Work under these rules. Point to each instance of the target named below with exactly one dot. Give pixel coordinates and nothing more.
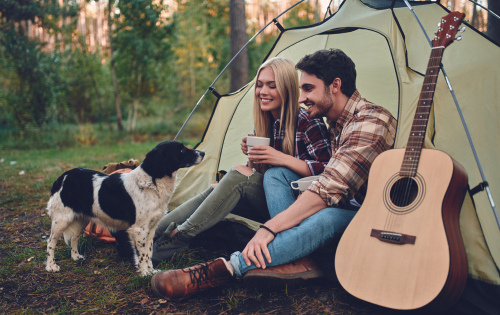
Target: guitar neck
(417, 133)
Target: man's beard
(323, 106)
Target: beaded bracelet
(265, 227)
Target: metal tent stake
(484, 183)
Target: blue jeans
(323, 228)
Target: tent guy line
(211, 88)
(484, 184)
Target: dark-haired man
(359, 132)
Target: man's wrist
(268, 229)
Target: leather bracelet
(265, 227)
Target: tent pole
(328, 10)
(229, 63)
(492, 13)
(490, 197)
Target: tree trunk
(136, 101)
(129, 119)
(99, 101)
(452, 5)
(475, 18)
(317, 17)
(113, 73)
(493, 22)
(239, 67)
(134, 120)
(192, 75)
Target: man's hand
(266, 155)
(256, 247)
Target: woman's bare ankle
(173, 232)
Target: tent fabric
(391, 54)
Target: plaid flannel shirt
(362, 132)
(312, 143)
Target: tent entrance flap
(376, 77)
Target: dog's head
(169, 156)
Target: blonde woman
(298, 143)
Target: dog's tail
(75, 228)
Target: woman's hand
(267, 155)
(244, 147)
(256, 249)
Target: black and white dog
(134, 201)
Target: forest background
(69, 79)
(84, 83)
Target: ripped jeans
(211, 206)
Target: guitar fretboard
(417, 133)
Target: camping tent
(391, 54)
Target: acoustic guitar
(403, 249)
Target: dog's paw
(144, 273)
(77, 257)
(147, 272)
(52, 268)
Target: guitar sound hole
(404, 191)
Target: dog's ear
(157, 163)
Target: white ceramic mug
(304, 183)
(253, 141)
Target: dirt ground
(103, 282)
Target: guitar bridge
(393, 238)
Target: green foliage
(301, 15)
(49, 12)
(87, 92)
(165, 59)
(201, 46)
(31, 85)
(141, 48)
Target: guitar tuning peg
(462, 29)
(439, 24)
(459, 38)
(467, 21)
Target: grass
(156, 128)
(103, 283)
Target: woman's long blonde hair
(287, 84)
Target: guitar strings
(404, 186)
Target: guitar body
(407, 253)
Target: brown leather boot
(291, 274)
(183, 282)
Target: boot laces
(199, 274)
(165, 238)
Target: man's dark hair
(328, 65)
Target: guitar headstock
(447, 29)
